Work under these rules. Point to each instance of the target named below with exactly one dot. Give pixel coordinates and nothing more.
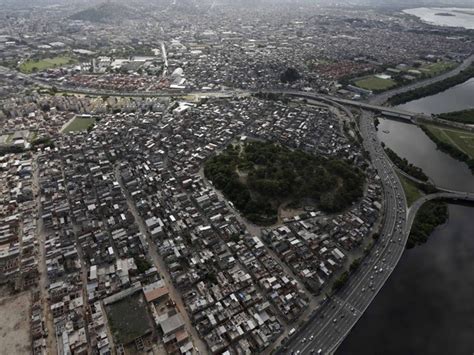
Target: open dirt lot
(15, 324)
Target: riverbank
(449, 147)
(433, 88)
(406, 166)
(463, 116)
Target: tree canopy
(258, 176)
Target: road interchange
(332, 322)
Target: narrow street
(43, 281)
(83, 271)
(256, 230)
(162, 268)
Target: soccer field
(375, 84)
(33, 65)
(78, 124)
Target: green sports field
(375, 84)
(437, 68)
(34, 65)
(78, 124)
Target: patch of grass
(375, 84)
(78, 124)
(34, 65)
(438, 133)
(412, 193)
(452, 147)
(463, 140)
(437, 68)
(129, 318)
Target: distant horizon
(375, 3)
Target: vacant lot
(15, 324)
(462, 140)
(34, 65)
(129, 318)
(375, 84)
(78, 124)
(437, 68)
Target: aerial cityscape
(236, 177)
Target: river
(410, 142)
(427, 305)
(457, 98)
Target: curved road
(385, 96)
(333, 321)
(331, 324)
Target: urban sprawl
(107, 220)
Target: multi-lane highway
(328, 327)
(331, 324)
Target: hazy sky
(378, 3)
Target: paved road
(383, 97)
(331, 324)
(338, 315)
(161, 266)
(450, 194)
